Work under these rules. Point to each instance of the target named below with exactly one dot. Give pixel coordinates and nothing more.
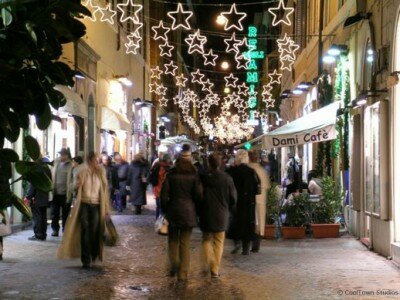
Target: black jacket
(246, 183)
(181, 192)
(219, 200)
(41, 198)
(122, 171)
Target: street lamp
(225, 65)
(227, 90)
(221, 20)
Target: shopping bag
(161, 226)
(110, 233)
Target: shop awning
(112, 120)
(318, 126)
(75, 105)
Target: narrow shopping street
(137, 269)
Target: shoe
(214, 276)
(255, 250)
(86, 266)
(1, 256)
(246, 253)
(55, 233)
(35, 238)
(236, 249)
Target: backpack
(153, 176)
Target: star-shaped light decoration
(134, 43)
(181, 80)
(243, 89)
(210, 58)
(128, 6)
(161, 90)
(230, 80)
(232, 44)
(95, 9)
(170, 68)
(160, 31)
(267, 88)
(274, 77)
(281, 10)
(196, 42)
(166, 49)
(156, 72)
(286, 63)
(212, 99)
(174, 15)
(108, 14)
(197, 77)
(242, 62)
(287, 47)
(153, 87)
(163, 101)
(233, 18)
(207, 86)
(177, 99)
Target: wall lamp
(142, 103)
(356, 18)
(334, 51)
(362, 99)
(285, 94)
(79, 75)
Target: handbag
(5, 226)
(110, 233)
(161, 226)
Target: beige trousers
(213, 246)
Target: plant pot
(269, 232)
(293, 232)
(325, 230)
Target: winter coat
(181, 192)
(136, 175)
(261, 200)
(54, 170)
(163, 169)
(218, 201)
(71, 243)
(41, 199)
(122, 171)
(246, 183)
(71, 190)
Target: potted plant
(273, 198)
(297, 217)
(325, 211)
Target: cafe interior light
(298, 91)
(336, 50)
(328, 59)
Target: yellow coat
(71, 243)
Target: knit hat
(187, 155)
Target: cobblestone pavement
(136, 269)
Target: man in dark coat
(246, 183)
(39, 201)
(122, 170)
(137, 182)
(219, 200)
(181, 193)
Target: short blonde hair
(242, 157)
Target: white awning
(75, 105)
(318, 126)
(112, 120)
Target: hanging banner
(326, 133)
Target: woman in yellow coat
(84, 232)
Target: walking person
(62, 168)
(38, 201)
(161, 172)
(77, 164)
(137, 182)
(261, 200)
(111, 175)
(122, 170)
(218, 202)
(180, 193)
(246, 182)
(84, 231)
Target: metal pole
(320, 42)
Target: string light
(123, 7)
(274, 77)
(242, 62)
(153, 87)
(235, 19)
(287, 52)
(111, 14)
(232, 44)
(196, 42)
(156, 73)
(175, 23)
(210, 58)
(207, 86)
(170, 68)
(166, 49)
(95, 9)
(161, 90)
(197, 77)
(134, 43)
(160, 31)
(163, 102)
(181, 80)
(243, 89)
(230, 81)
(287, 11)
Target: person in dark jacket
(219, 200)
(122, 170)
(111, 175)
(39, 201)
(137, 182)
(181, 192)
(246, 183)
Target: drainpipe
(320, 42)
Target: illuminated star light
(286, 63)
(156, 72)
(196, 42)
(133, 45)
(163, 102)
(161, 90)
(160, 31)
(170, 68)
(235, 18)
(111, 14)
(243, 89)
(123, 7)
(231, 80)
(242, 62)
(197, 76)
(174, 16)
(210, 58)
(274, 77)
(166, 49)
(286, 14)
(181, 80)
(232, 44)
(153, 87)
(95, 9)
(267, 88)
(207, 86)
(287, 47)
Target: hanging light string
(221, 4)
